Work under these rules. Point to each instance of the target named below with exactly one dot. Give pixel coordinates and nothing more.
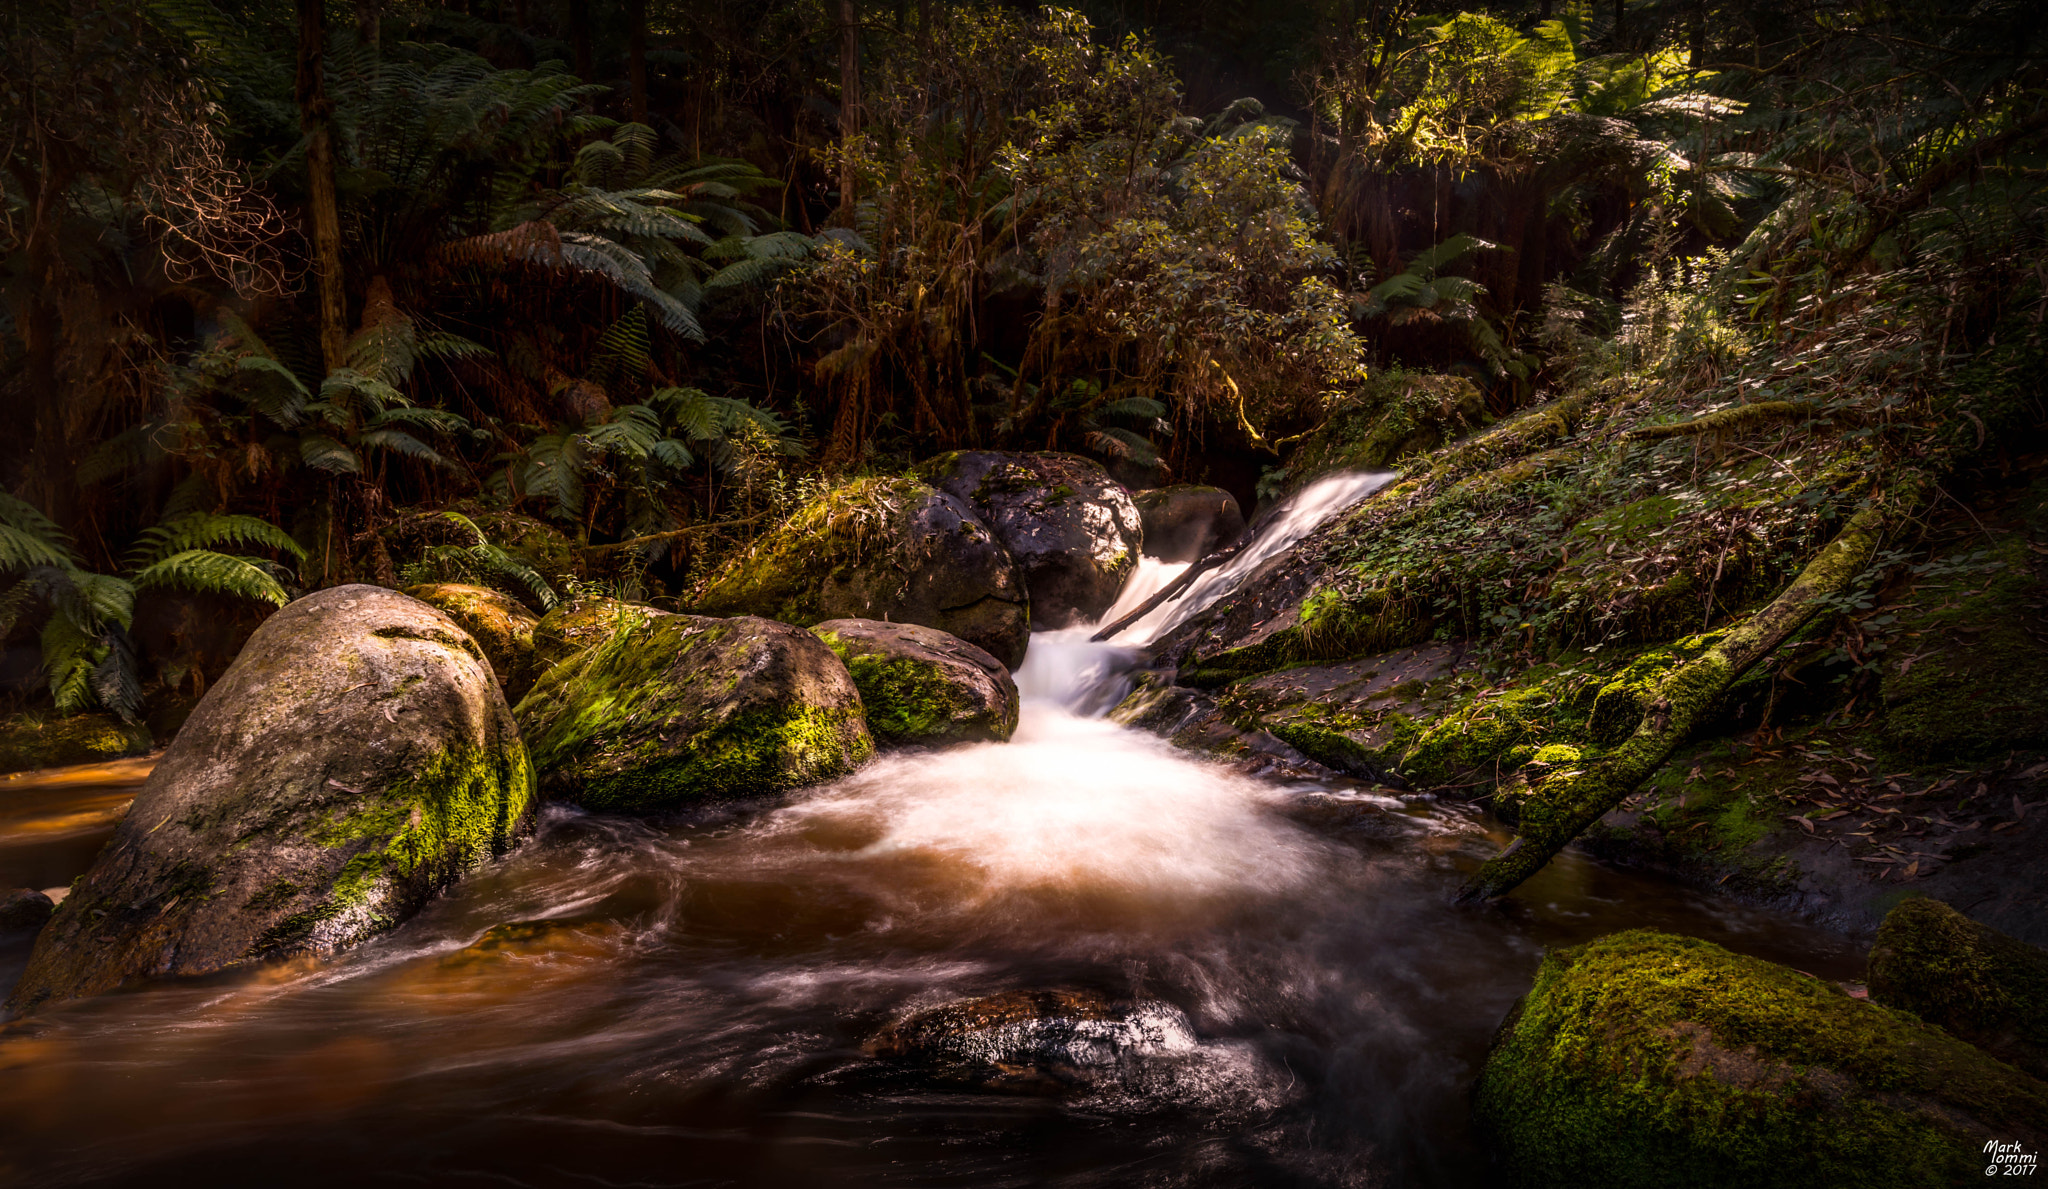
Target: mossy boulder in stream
(921, 685)
(680, 708)
(573, 625)
(501, 625)
(1644, 1059)
(883, 548)
(1073, 530)
(28, 743)
(356, 758)
(1985, 987)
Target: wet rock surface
(1186, 522)
(1643, 1054)
(356, 758)
(919, 685)
(1074, 532)
(501, 625)
(883, 548)
(24, 909)
(677, 709)
(1134, 1054)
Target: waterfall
(1065, 670)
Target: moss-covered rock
(1644, 1059)
(356, 758)
(500, 624)
(573, 625)
(1074, 532)
(677, 709)
(1977, 681)
(921, 685)
(1985, 987)
(28, 743)
(1186, 522)
(883, 548)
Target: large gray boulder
(354, 760)
(921, 685)
(1073, 530)
(1186, 523)
(677, 709)
(882, 548)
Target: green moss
(1644, 1059)
(1979, 684)
(1985, 987)
(1391, 416)
(28, 742)
(909, 700)
(1478, 735)
(1620, 704)
(650, 720)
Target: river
(687, 1000)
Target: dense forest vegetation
(555, 296)
(652, 526)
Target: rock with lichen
(920, 685)
(28, 743)
(1074, 532)
(1969, 978)
(882, 548)
(501, 625)
(1645, 1059)
(355, 759)
(677, 709)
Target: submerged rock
(1185, 522)
(1073, 531)
(680, 708)
(921, 685)
(883, 548)
(1644, 1059)
(24, 909)
(30, 743)
(1983, 986)
(357, 757)
(500, 624)
(573, 625)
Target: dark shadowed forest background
(571, 297)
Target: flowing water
(690, 1001)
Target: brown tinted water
(685, 1002)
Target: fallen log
(1173, 590)
(1563, 804)
(1722, 419)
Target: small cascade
(1065, 670)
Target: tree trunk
(579, 37)
(849, 102)
(1562, 805)
(636, 59)
(370, 23)
(323, 208)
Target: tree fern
(203, 571)
(475, 559)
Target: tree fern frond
(207, 572)
(323, 453)
(206, 531)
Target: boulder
(573, 625)
(356, 758)
(500, 624)
(24, 909)
(29, 743)
(921, 685)
(1033, 1039)
(1644, 1059)
(1074, 532)
(1969, 978)
(1186, 523)
(680, 708)
(882, 548)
